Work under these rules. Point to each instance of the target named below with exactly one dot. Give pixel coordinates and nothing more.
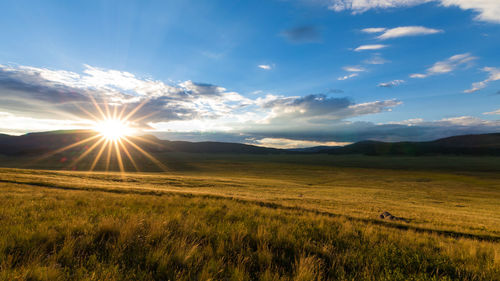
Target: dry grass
(290, 222)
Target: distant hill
(40, 143)
(34, 144)
(485, 144)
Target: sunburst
(112, 133)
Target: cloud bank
(39, 99)
(486, 10)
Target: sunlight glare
(113, 129)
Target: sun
(115, 138)
(113, 129)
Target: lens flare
(114, 135)
(113, 129)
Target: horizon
(268, 73)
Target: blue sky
(278, 73)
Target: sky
(275, 73)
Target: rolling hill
(45, 142)
(484, 144)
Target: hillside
(485, 144)
(45, 142)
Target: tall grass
(53, 234)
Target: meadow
(248, 217)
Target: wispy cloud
(370, 47)
(488, 10)
(495, 112)
(401, 31)
(391, 84)
(373, 29)
(353, 68)
(302, 34)
(265, 66)
(352, 75)
(494, 75)
(447, 65)
(285, 143)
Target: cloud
(370, 47)
(373, 29)
(416, 129)
(447, 65)
(352, 75)
(265, 66)
(494, 75)
(463, 121)
(302, 34)
(488, 10)
(285, 143)
(44, 93)
(496, 112)
(402, 31)
(391, 84)
(376, 59)
(353, 68)
(58, 99)
(318, 110)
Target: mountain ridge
(44, 142)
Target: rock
(387, 215)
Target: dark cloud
(302, 34)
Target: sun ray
(131, 113)
(52, 153)
(115, 112)
(97, 107)
(108, 157)
(98, 156)
(90, 149)
(149, 156)
(108, 114)
(129, 156)
(87, 112)
(120, 117)
(119, 158)
(145, 116)
(146, 140)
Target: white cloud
(488, 10)
(353, 69)
(446, 66)
(370, 47)
(373, 29)
(265, 66)
(496, 112)
(494, 76)
(463, 121)
(418, 75)
(352, 75)
(285, 143)
(404, 31)
(32, 99)
(391, 84)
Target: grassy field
(281, 217)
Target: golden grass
(281, 222)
